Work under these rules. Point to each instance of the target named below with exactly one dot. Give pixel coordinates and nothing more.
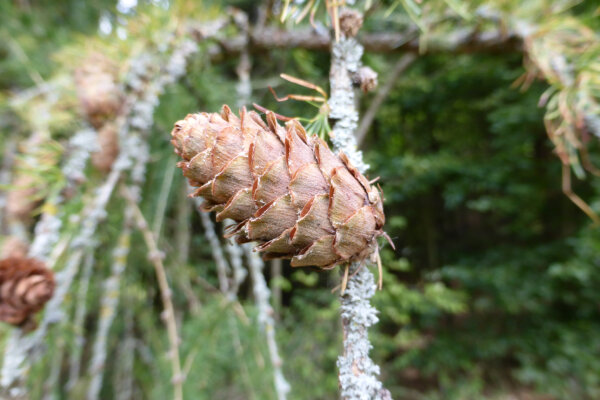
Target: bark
(109, 305)
(468, 40)
(357, 372)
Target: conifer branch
(156, 257)
(109, 304)
(357, 372)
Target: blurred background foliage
(490, 293)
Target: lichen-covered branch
(109, 304)
(357, 372)
(78, 321)
(145, 83)
(156, 257)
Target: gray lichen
(357, 372)
(345, 62)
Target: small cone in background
(108, 142)
(21, 200)
(350, 22)
(97, 89)
(25, 286)
(365, 78)
(284, 189)
(13, 247)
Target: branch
(109, 304)
(468, 40)
(155, 256)
(215, 246)
(357, 372)
(79, 320)
(265, 318)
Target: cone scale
(284, 189)
(25, 286)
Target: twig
(163, 284)
(163, 198)
(401, 65)
(108, 307)
(276, 286)
(265, 319)
(78, 321)
(183, 226)
(125, 375)
(357, 372)
(239, 273)
(55, 369)
(215, 246)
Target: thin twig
(78, 321)
(109, 304)
(265, 319)
(163, 284)
(163, 198)
(215, 246)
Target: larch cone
(25, 286)
(284, 189)
(97, 89)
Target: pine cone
(21, 199)
(285, 190)
(365, 78)
(108, 141)
(350, 22)
(14, 247)
(97, 89)
(25, 286)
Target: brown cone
(366, 79)
(108, 141)
(21, 201)
(350, 22)
(14, 247)
(25, 286)
(285, 190)
(97, 89)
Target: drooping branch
(78, 321)
(155, 256)
(146, 82)
(108, 307)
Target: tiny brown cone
(14, 247)
(284, 189)
(25, 286)
(21, 201)
(97, 89)
(108, 142)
